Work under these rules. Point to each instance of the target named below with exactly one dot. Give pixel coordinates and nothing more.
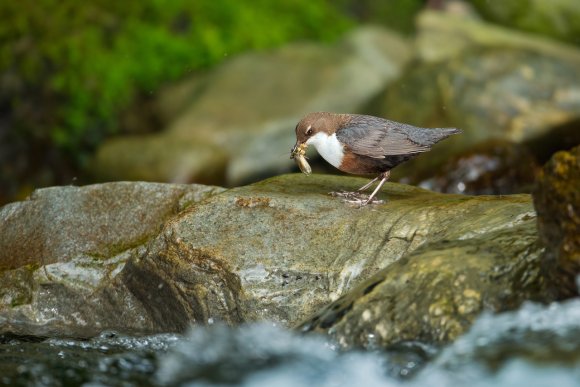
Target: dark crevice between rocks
(371, 287)
(10, 337)
(327, 318)
(562, 137)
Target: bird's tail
(442, 133)
(450, 131)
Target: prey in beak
(297, 153)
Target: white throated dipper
(363, 145)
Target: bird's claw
(356, 197)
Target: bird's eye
(308, 131)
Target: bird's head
(312, 125)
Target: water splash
(536, 345)
(265, 355)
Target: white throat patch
(328, 147)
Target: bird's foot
(356, 197)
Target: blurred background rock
(209, 91)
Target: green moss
(68, 68)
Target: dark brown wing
(377, 138)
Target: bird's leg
(367, 185)
(384, 177)
(357, 197)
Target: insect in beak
(297, 154)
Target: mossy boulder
(557, 201)
(436, 292)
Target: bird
(363, 145)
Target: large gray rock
(280, 250)
(247, 109)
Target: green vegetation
(67, 68)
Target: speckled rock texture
(435, 293)
(280, 250)
(557, 201)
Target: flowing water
(536, 345)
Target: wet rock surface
(557, 201)
(61, 223)
(62, 249)
(281, 250)
(436, 292)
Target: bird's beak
(295, 149)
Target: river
(536, 345)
